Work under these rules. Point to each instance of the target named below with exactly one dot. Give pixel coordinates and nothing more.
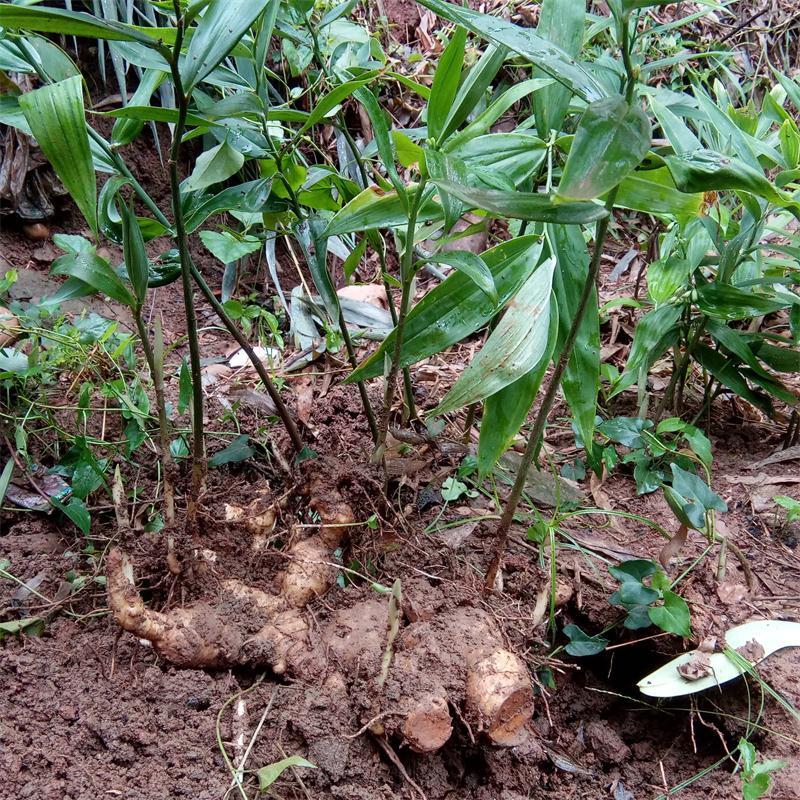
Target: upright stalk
(154, 356)
(233, 329)
(537, 433)
(407, 278)
(258, 364)
(181, 240)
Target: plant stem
(407, 387)
(258, 364)
(537, 433)
(157, 375)
(407, 278)
(181, 240)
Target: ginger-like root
(499, 694)
(452, 658)
(187, 637)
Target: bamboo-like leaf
(655, 332)
(374, 208)
(74, 23)
(457, 307)
(214, 166)
(562, 23)
(515, 347)
(612, 139)
(126, 130)
(544, 54)
(515, 155)
(445, 83)
(134, 253)
(56, 119)
(524, 205)
(505, 411)
(706, 170)
(473, 87)
(95, 272)
(581, 381)
(220, 28)
(724, 301)
(654, 192)
(383, 140)
(472, 265)
(335, 97)
(483, 122)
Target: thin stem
(181, 240)
(407, 386)
(362, 389)
(258, 364)
(407, 278)
(537, 433)
(157, 376)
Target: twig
(392, 756)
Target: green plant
(755, 774)
(651, 448)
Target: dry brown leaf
(671, 549)
(731, 593)
(699, 666)
(602, 500)
(371, 293)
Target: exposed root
(453, 658)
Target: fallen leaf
(671, 549)
(455, 537)
(699, 666)
(371, 293)
(789, 454)
(731, 593)
(752, 651)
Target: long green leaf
(374, 208)
(724, 301)
(707, 170)
(383, 140)
(654, 192)
(445, 83)
(335, 97)
(524, 205)
(562, 23)
(134, 253)
(612, 139)
(56, 118)
(514, 348)
(457, 307)
(472, 265)
(473, 87)
(655, 332)
(126, 130)
(484, 121)
(220, 28)
(550, 58)
(505, 411)
(728, 374)
(74, 23)
(516, 156)
(581, 381)
(95, 272)
(251, 196)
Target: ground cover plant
(401, 395)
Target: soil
(92, 712)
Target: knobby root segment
(455, 658)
